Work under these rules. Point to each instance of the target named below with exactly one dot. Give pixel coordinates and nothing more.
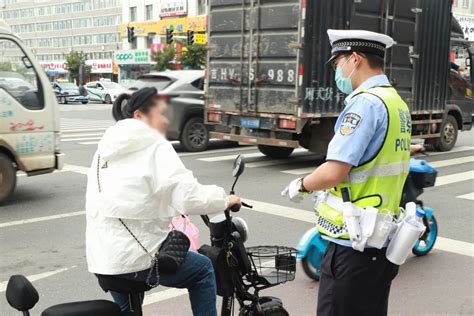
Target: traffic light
(169, 36)
(130, 33)
(190, 37)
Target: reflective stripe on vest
(378, 182)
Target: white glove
(293, 191)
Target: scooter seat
(121, 285)
(85, 308)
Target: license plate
(250, 122)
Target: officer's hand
(293, 191)
(416, 149)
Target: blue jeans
(195, 274)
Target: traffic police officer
(369, 154)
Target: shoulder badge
(349, 124)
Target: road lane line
(163, 295)
(453, 178)
(66, 140)
(275, 162)
(469, 196)
(454, 150)
(434, 164)
(451, 162)
(252, 155)
(442, 243)
(82, 130)
(237, 150)
(41, 219)
(74, 135)
(36, 277)
(88, 143)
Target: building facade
(463, 11)
(150, 19)
(53, 28)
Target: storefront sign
(173, 8)
(200, 38)
(467, 24)
(54, 67)
(179, 25)
(100, 66)
(140, 56)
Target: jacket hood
(127, 136)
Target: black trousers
(355, 283)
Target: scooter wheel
(424, 245)
(269, 305)
(309, 268)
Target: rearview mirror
(239, 166)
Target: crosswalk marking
(469, 196)
(450, 162)
(299, 171)
(251, 155)
(80, 139)
(454, 150)
(72, 124)
(456, 177)
(88, 143)
(76, 135)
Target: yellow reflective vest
(378, 182)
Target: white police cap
(345, 41)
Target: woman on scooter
(137, 176)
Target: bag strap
(121, 221)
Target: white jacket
(143, 182)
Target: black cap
(139, 99)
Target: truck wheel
(7, 178)
(195, 136)
(275, 151)
(449, 135)
(63, 100)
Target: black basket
(276, 264)
(423, 179)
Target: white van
(29, 115)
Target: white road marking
(469, 196)
(451, 162)
(276, 162)
(88, 143)
(66, 168)
(252, 155)
(77, 135)
(79, 139)
(227, 150)
(36, 277)
(455, 246)
(434, 164)
(41, 219)
(453, 178)
(81, 130)
(163, 295)
(454, 150)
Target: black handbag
(171, 253)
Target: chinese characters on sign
(141, 56)
(467, 25)
(100, 66)
(173, 8)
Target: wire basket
(276, 264)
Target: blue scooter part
(311, 249)
(423, 247)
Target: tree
(163, 59)
(74, 62)
(194, 57)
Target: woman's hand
(234, 203)
(416, 149)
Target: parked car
(186, 106)
(68, 92)
(104, 91)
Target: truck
(268, 83)
(29, 115)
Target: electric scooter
(311, 247)
(241, 273)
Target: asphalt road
(42, 228)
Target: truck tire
(275, 151)
(449, 135)
(7, 177)
(195, 135)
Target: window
(465, 4)
(198, 83)
(455, 3)
(202, 7)
(18, 77)
(133, 14)
(149, 12)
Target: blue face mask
(344, 84)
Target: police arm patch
(349, 124)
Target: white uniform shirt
(143, 182)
